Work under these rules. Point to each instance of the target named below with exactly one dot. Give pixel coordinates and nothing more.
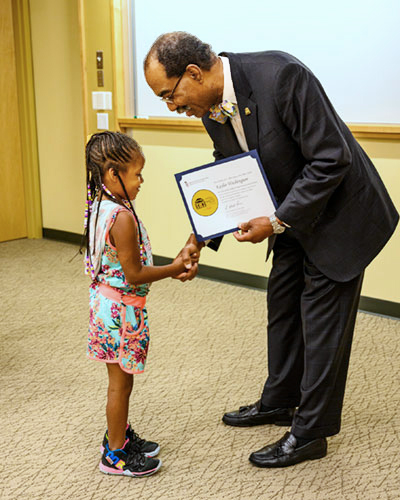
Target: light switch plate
(102, 100)
(102, 121)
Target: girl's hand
(190, 255)
(189, 274)
(180, 267)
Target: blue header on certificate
(220, 195)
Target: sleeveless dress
(118, 321)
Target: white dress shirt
(229, 95)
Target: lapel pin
(247, 112)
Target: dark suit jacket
(326, 187)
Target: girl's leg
(120, 386)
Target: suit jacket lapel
(244, 93)
(249, 120)
(223, 135)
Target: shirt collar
(229, 92)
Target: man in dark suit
(334, 215)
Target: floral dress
(118, 322)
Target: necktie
(221, 112)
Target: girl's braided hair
(106, 150)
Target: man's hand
(255, 230)
(190, 255)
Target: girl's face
(131, 177)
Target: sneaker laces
(135, 458)
(136, 439)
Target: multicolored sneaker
(128, 462)
(148, 448)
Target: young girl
(119, 260)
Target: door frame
(27, 117)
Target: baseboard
(224, 275)
(65, 236)
(378, 306)
(367, 304)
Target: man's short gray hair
(177, 49)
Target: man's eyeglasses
(170, 98)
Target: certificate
(220, 195)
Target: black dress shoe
(284, 452)
(248, 416)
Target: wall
(161, 207)
(97, 35)
(162, 210)
(55, 34)
(382, 277)
(59, 112)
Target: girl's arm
(123, 236)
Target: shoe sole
(279, 423)
(150, 454)
(112, 472)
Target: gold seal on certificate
(220, 195)
(204, 202)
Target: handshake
(253, 231)
(187, 259)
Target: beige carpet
(207, 356)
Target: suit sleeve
(314, 125)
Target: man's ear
(195, 73)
